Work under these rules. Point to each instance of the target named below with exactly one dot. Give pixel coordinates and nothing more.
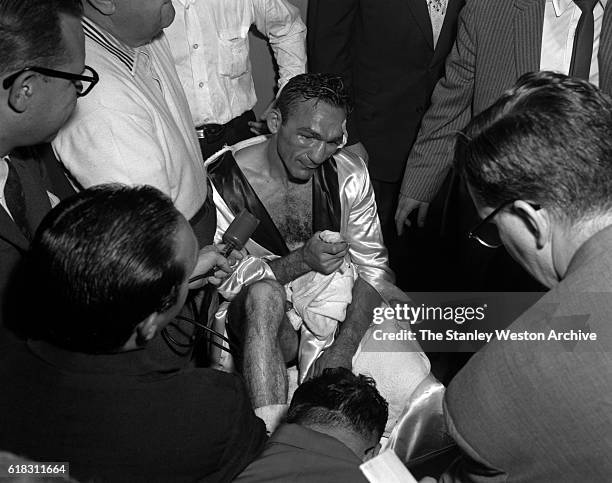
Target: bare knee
(267, 292)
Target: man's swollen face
(313, 132)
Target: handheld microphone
(235, 237)
(239, 231)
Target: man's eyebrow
(314, 134)
(309, 132)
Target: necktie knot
(586, 5)
(437, 6)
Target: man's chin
(302, 178)
(168, 14)
(49, 138)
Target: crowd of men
(137, 345)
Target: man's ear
(537, 221)
(105, 7)
(372, 453)
(147, 329)
(274, 120)
(22, 91)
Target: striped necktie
(15, 200)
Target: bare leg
(269, 342)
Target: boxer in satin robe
(299, 182)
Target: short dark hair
(31, 33)
(548, 140)
(339, 398)
(101, 262)
(328, 88)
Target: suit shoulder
(488, 7)
(214, 378)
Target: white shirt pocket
(234, 52)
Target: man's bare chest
(290, 207)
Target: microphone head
(240, 229)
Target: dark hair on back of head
(339, 398)
(548, 140)
(31, 33)
(102, 261)
(328, 88)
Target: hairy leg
(268, 341)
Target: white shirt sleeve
(282, 24)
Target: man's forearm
(358, 317)
(289, 267)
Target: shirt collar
(311, 440)
(561, 6)
(123, 54)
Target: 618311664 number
(47, 470)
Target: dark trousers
(216, 136)
(419, 258)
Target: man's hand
(212, 267)
(360, 150)
(405, 206)
(331, 357)
(323, 257)
(261, 126)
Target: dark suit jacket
(122, 417)
(384, 49)
(497, 42)
(38, 172)
(13, 244)
(539, 411)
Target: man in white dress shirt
(137, 128)
(210, 45)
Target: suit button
(419, 110)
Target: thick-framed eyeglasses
(84, 82)
(486, 232)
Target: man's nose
(318, 154)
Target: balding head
(133, 22)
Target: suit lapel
(605, 51)
(34, 189)
(419, 11)
(528, 21)
(10, 233)
(37, 202)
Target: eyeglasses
(486, 232)
(84, 83)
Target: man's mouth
(307, 165)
